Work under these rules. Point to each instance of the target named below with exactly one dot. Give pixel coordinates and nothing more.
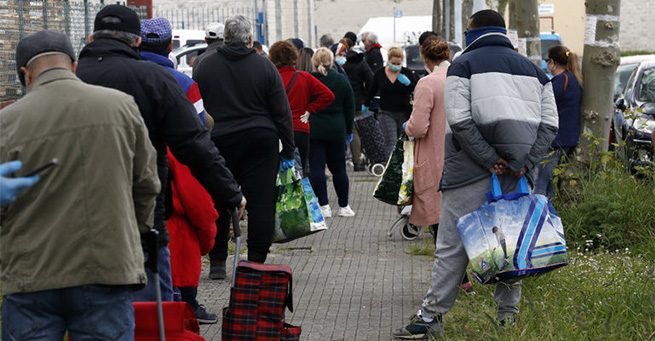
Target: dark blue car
(634, 116)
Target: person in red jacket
(192, 229)
(306, 94)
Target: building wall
(635, 33)
(285, 18)
(568, 21)
(337, 17)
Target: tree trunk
(467, 12)
(502, 6)
(436, 17)
(451, 21)
(601, 57)
(526, 15)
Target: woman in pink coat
(427, 125)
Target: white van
(408, 29)
(187, 37)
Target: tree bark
(526, 15)
(436, 17)
(601, 57)
(467, 12)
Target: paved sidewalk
(351, 282)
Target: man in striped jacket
(502, 118)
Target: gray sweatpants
(450, 265)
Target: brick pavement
(351, 282)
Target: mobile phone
(42, 168)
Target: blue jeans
(148, 294)
(88, 312)
(542, 183)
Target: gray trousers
(450, 265)
(391, 125)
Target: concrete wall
(637, 25)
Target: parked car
(183, 38)
(415, 61)
(623, 71)
(186, 55)
(625, 68)
(634, 117)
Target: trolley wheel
(409, 231)
(400, 222)
(377, 169)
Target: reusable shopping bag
(297, 212)
(388, 189)
(513, 235)
(407, 180)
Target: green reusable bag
(388, 187)
(291, 212)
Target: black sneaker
(417, 329)
(204, 317)
(217, 270)
(507, 321)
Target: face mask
(427, 69)
(340, 60)
(395, 68)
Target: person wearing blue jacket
(502, 119)
(567, 80)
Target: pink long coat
(427, 125)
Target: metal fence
(199, 18)
(21, 18)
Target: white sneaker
(346, 212)
(326, 211)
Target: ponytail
(573, 66)
(322, 60)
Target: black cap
(117, 18)
(40, 43)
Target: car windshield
(647, 87)
(414, 58)
(545, 45)
(621, 77)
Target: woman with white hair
(330, 128)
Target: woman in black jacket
(396, 85)
(360, 76)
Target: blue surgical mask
(395, 68)
(340, 60)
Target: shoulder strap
(293, 80)
(566, 82)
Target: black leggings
(302, 143)
(334, 155)
(253, 157)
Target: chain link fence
(21, 18)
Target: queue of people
(178, 154)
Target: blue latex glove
(405, 125)
(11, 187)
(364, 110)
(403, 79)
(286, 164)
(349, 138)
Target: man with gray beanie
(250, 107)
(70, 251)
(111, 60)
